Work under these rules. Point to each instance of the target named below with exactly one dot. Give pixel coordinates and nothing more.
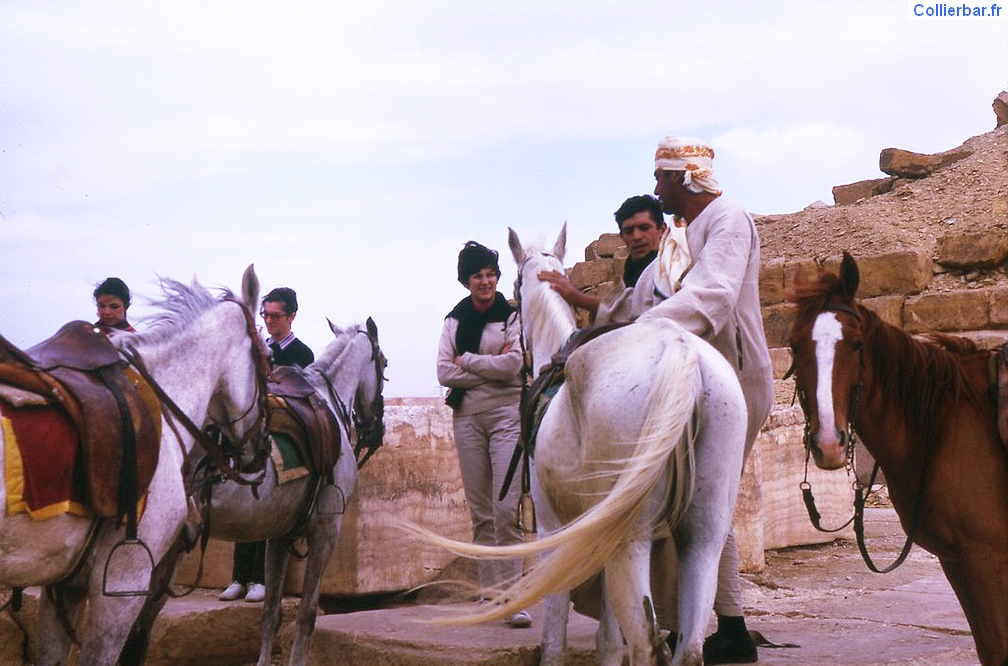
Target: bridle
(861, 490)
(521, 452)
(527, 369)
(370, 431)
(212, 445)
(850, 433)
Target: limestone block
(803, 269)
(950, 311)
(197, 631)
(907, 164)
(863, 189)
(589, 273)
(777, 322)
(771, 282)
(888, 308)
(973, 250)
(999, 307)
(780, 361)
(608, 246)
(987, 339)
(901, 272)
(784, 518)
(414, 477)
(898, 162)
(1000, 106)
(747, 519)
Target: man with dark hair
(279, 307)
(641, 226)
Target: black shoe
(719, 648)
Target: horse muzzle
(829, 452)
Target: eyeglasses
(272, 315)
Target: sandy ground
(823, 600)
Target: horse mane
(922, 375)
(543, 309)
(181, 306)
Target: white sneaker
(520, 620)
(234, 591)
(256, 593)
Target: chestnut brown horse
(923, 409)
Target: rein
(213, 449)
(861, 491)
(370, 433)
(521, 452)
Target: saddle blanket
(41, 469)
(288, 462)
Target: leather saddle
(297, 411)
(550, 379)
(115, 412)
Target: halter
(861, 491)
(370, 431)
(850, 432)
(213, 447)
(521, 452)
(527, 370)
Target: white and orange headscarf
(694, 157)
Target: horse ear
(372, 328)
(250, 288)
(849, 275)
(333, 327)
(561, 242)
(516, 249)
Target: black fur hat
(473, 258)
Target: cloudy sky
(349, 150)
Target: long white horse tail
(581, 548)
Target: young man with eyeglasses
(279, 307)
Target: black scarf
(471, 323)
(633, 268)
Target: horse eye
(858, 345)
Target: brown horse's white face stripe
(827, 332)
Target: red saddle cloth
(41, 467)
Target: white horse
(648, 426)
(348, 377)
(204, 354)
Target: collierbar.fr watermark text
(956, 10)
